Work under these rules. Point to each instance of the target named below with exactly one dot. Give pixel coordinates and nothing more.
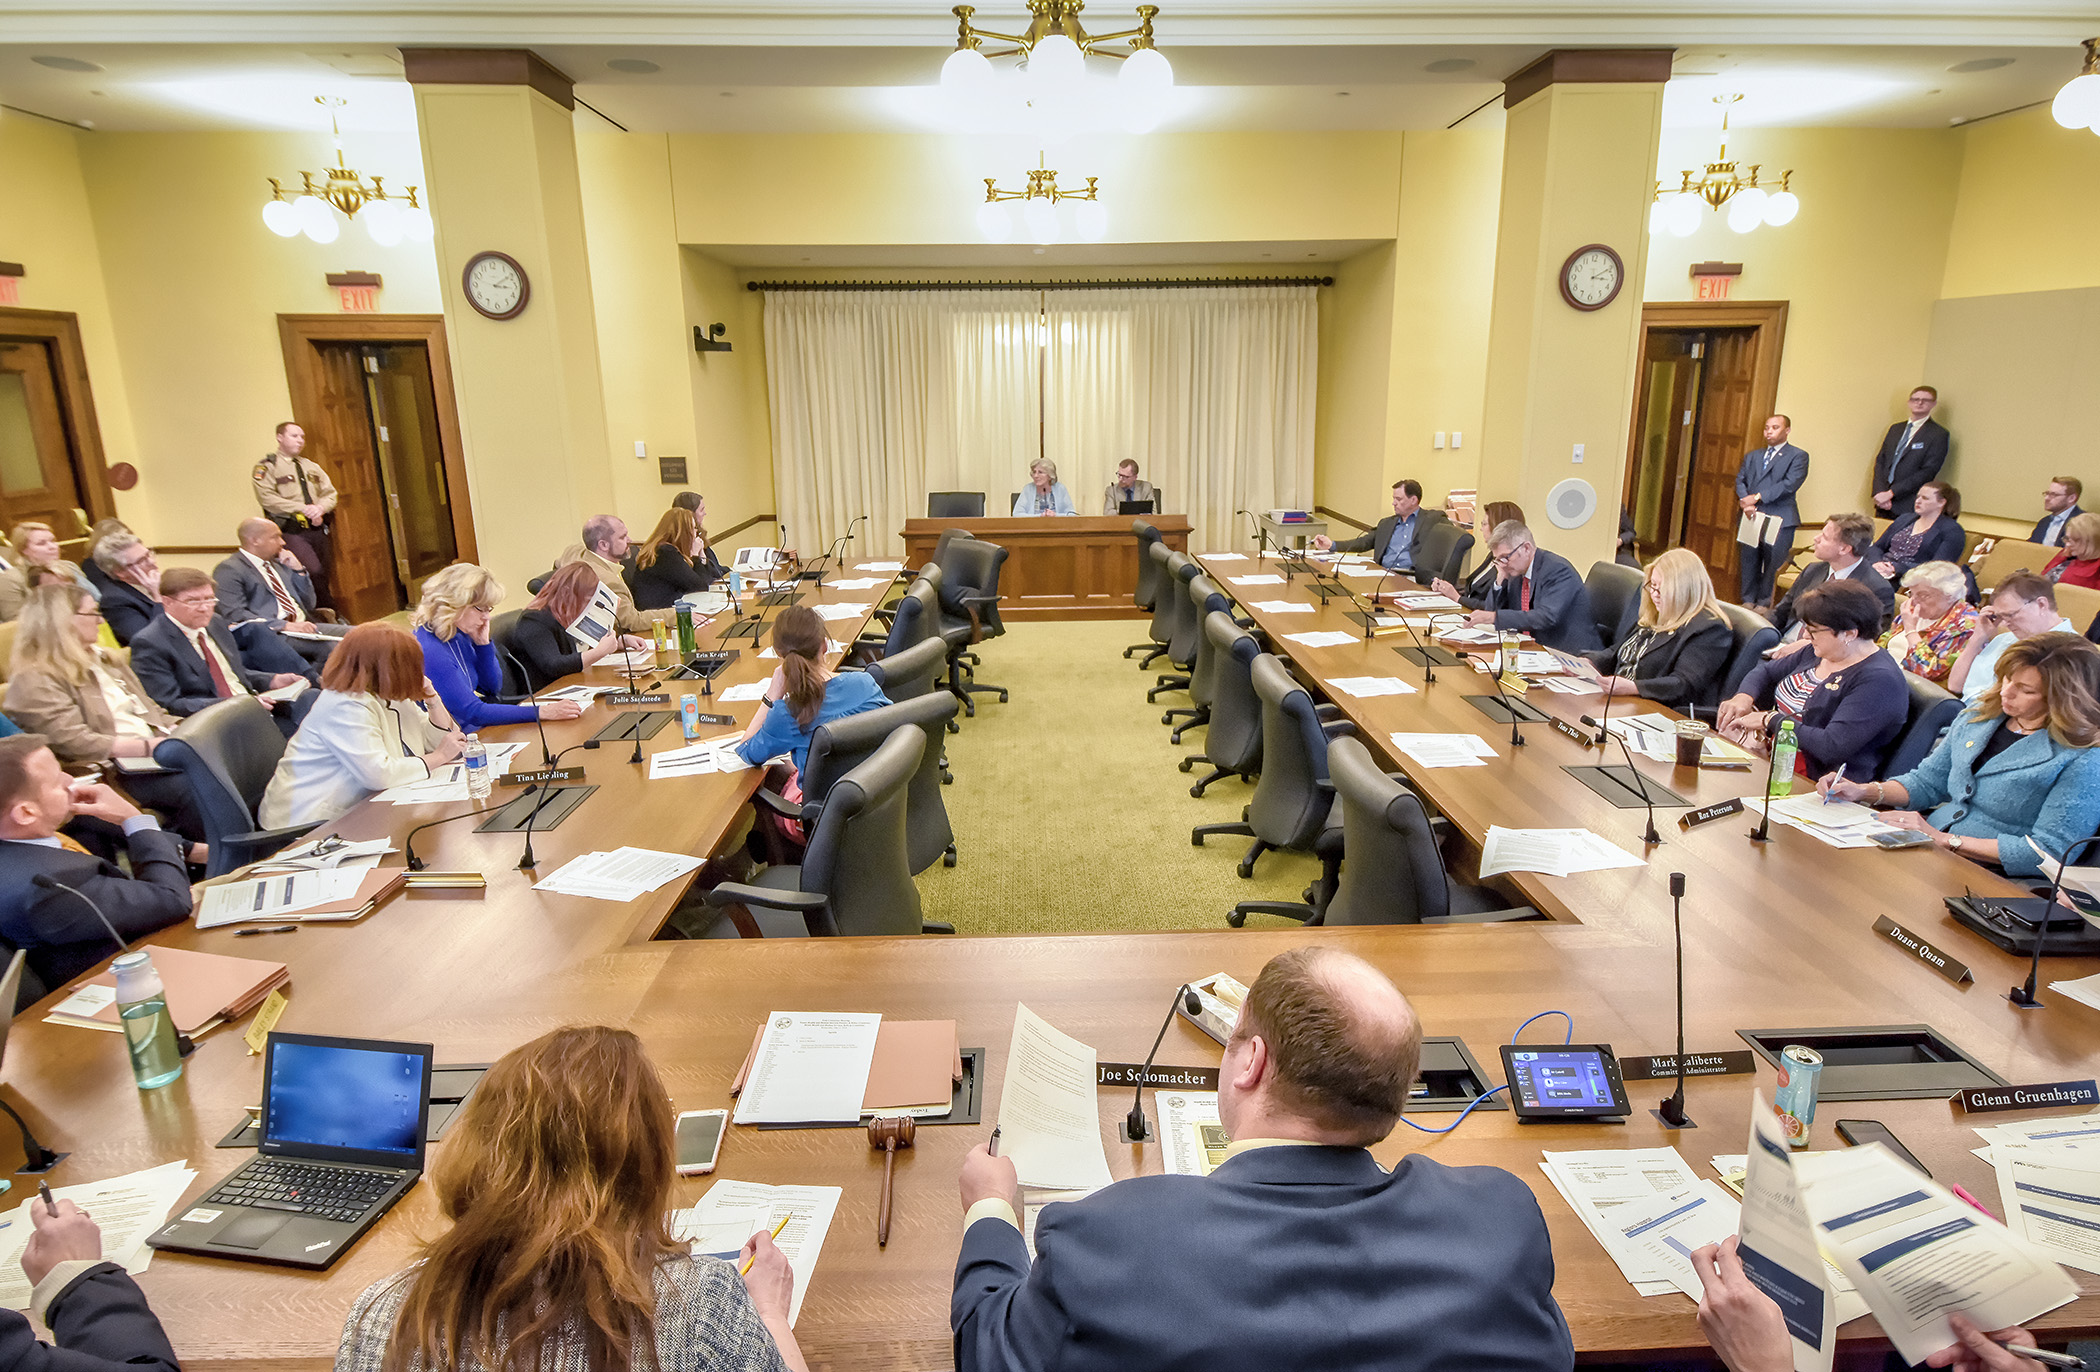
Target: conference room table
(1776, 935)
(1057, 567)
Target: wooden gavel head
(892, 1132)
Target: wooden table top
(1774, 935)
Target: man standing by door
(299, 499)
(1765, 486)
(1912, 454)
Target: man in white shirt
(1840, 547)
(2022, 605)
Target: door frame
(297, 333)
(60, 332)
(1767, 317)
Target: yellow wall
(733, 458)
(1356, 377)
(2029, 209)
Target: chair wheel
(1196, 839)
(1188, 765)
(1236, 920)
(1197, 789)
(947, 778)
(948, 858)
(953, 727)
(1246, 871)
(1168, 718)
(1002, 697)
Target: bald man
(1299, 1250)
(264, 584)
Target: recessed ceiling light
(1443, 64)
(57, 63)
(638, 66)
(1981, 64)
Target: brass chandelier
(389, 217)
(1039, 202)
(1053, 51)
(1749, 204)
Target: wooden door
(38, 479)
(339, 435)
(1727, 429)
(411, 464)
(1658, 458)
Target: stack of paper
(1538, 662)
(914, 1071)
(582, 694)
(1358, 569)
(809, 1069)
(1224, 557)
(732, 1211)
(1598, 1182)
(1049, 1120)
(749, 690)
(859, 583)
(879, 567)
(126, 1209)
(623, 875)
(203, 989)
(1323, 638)
(1258, 579)
(449, 783)
(1572, 685)
(339, 894)
(840, 610)
(1362, 686)
(326, 854)
(831, 645)
(1841, 824)
(1556, 852)
(2049, 1187)
(1463, 633)
(2085, 990)
(1283, 607)
(1426, 602)
(1193, 1141)
(1444, 750)
(698, 759)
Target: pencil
(741, 1271)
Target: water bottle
(686, 642)
(148, 1028)
(736, 586)
(1783, 750)
(663, 643)
(476, 756)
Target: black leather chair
(1146, 597)
(916, 617)
(973, 575)
(955, 504)
(1164, 611)
(1932, 709)
(1205, 598)
(226, 753)
(1232, 747)
(1441, 551)
(910, 672)
(1185, 628)
(838, 747)
(1394, 872)
(1615, 600)
(855, 876)
(501, 629)
(1753, 635)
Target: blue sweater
(2037, 786)
(462, 670)
(848, 693)
(1852, 716)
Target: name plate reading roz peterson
(1938, 961)
(541, 775)
(638, 698)
(2042, 1095)
(1692, 819)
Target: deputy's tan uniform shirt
(276, 480)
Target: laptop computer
(342, 1140)
(1137, 507)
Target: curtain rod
(1154, 284)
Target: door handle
(86, 525)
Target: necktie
(211, 660)
(1901, 444)
(286, 606)
(66, 842)
(1524, 595)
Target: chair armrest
(737, 893)
(1328, 710)
(1339, 728)
(238, 850)
(781, 805)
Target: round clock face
(496, 285)
(1591, 278)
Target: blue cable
(1541, 1015)
(1486, 1095)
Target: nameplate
(638, 698)
(543, 774)
(715, 719)
(1983, 1100)
(1938, 961)
(1692, 819)
(1695, 1065)
(1126, 1074)
(1582, 736)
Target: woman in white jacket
(369, 730)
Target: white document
(2085, 990)
(811, 1068)
(582, 694)
(1323, 638)
(1368, 573)
(1666, 1230)
(126, 1208)
(2085, 879)
(275, 897)
(2051, 1198)
(1224, 557)
(1755, 529)
(732, 1211)
(1426, 602)
(879, 567)
(1556, 852)
(1482, 635)
(284, 693)
(1259, 579)
(1538, 662)
(1365, 686)
(1193, 1140)
(717, 754)
(859, 583)
(1596, 1183)
(321, 854)
(1811, 809)
(1572, 685)
(1444, 750)
(597, 619)
(1283, 607)
(1034, 1198)
(841, 611)
(1049, 1119)
(1777, 1244)
(749, 690)
(831, 646)
(623, 875)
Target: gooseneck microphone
(1672, 1107)
(527, 862)
(525, 679)
(408, 842)
(2024, 996)
(1516, 736)
(1136, 1128)
(44, 881)
(1763, 832)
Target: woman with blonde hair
(557, 1180)
(452, 626)
(673, 561)
(2077, 563)
(36, 551)
(1935, 623)
(1676, 652)
(1045, 494)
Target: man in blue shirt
(1392, 544)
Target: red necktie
(1524, 596)
(218, 678)
(286, 606)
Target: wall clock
(496, 285)
(1591, 277)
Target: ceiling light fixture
(312, 212)
(1039, 216)
(2077, 105)
(1749, 204)
(1053, 52)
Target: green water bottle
(1783, 750)
(686, 643)
(142, 1006)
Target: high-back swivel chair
(1394, 872)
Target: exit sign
(1714, 280)
(358, 299)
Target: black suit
(1381, 538)
(1560, 615)
(102, 1324)
(1816, 573)
(2041, 527)
(1919, 462)
(173, 672)
(58, 930)
(127, 608)
(671, 575)
(1682, 667)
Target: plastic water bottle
(142, 1006)
(736, 585)
(1783, 750)
(476, 756)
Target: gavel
(889, 1134)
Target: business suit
(1112, 500)
(669, 576)
(1851, 718)
(1380, 540)
(101, 1321)
(174, 673)
(245, 598)
(1773, 474)
(2037, 786)
(1679, 668)
(2041, 527)
(1942, 543)
(1560, 615)
(1295, 1256)
(1920, 461)
(1818, 573)
(58, 930)
(126, 608)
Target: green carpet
(1069, 810)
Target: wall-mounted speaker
(1570, 504)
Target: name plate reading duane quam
(541, 775)
(638, 698)
(1664, 1065)
(1183, 1078)
(2047, 1095)
(1938, 960)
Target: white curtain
(878, 397)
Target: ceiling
(1316, 254)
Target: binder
(202, 989)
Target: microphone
(1641, 784)
(1502, 691)
(2024, 996)
(44, 881)
(527, 862)
(546, 753)
(1136, 1128)
(1763, 832)
(1371, 614)
(1261, 535)
(408, 842)
(1672, 1108)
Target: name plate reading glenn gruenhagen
(2046, 1095)
(540, 776)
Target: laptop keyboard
(329, 1193)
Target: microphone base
(2019, 996)
(1684, 1122)
(1145, 1133)
(36, 1157)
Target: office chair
(854, 878)
(502, 629)
(1146, 597)
(1233, 745)
(1161, 630)
(1932, 709)
(1441, 551)
(1615, 600)
(1204, 598)
(227, 752)
(1753, 635)
(1394, 872)
(915, 618)
(910, 672)
(975, 567)
(1185, 627)
(838, 747)
(955, 504)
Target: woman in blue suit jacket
(1927, 534)
(2020, 762)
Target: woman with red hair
(541, 639)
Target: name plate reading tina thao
(1938, 960)
(2046, 1095)
(1582, 736)
(542, 776)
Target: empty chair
(910, 672)
(916, 617)
(1440, 551)
(1394, 872)
(1149, 580)
(1186, 627)
(1164, 611)
(227, 752)
(855, 876)
(838, 747)
(1753, 635)
(955, 504)
(1204, 598)
(1932, 709)
(1232, 747)
(974, 574)
(1615, 600)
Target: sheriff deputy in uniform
(299, 498)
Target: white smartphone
(700, 1141)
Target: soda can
(1800, 1068)
(689, 716)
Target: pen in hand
(1835, 782)
(991, 1146)
(43, 1188)
(2040, 1355)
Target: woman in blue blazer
(1927, 534)
(2021, 762)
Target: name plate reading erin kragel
(2052, 1095)
(1695, 1065)
(1185, 1078)
(1692, 819)
(638, 698)
(1582, 736)
(541, 775)
(1924, 952)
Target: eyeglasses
(196, 602)
(89, 612)
(1506, 554)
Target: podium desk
(1075, 567)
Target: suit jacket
(76, 718)
(1852, 717)
(58, 930)
(1775, 484)
(659, 585)
(127, 608)
(1816, 573)
(1112, 499)
(1682, 667)
(1381, 538)
(1902, 473)
(1942, 544)
(2037, 786)
(244, 593)
(2041, 527)
(1284, 1257)
(102, 1324)
(1560, 615)
(173, 672)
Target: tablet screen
(1575, 1080)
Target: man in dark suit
(1299, 1250)
(97, 1314)
(1840, 547)
(1911, 454)
(187, 658)
(264, 584)
(125, 573)
(2060, 507)
(1535, 592)
(1765, 485)
(61, 934)
(1392, 544)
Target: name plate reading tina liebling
(542, 776)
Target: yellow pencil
(776, 1234)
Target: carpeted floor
(1069, 811)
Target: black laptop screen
(338, 1097)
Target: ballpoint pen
(1835, 782)
(991, 1147)
(2041, 1355)
(43, 1188)
(273, 929)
